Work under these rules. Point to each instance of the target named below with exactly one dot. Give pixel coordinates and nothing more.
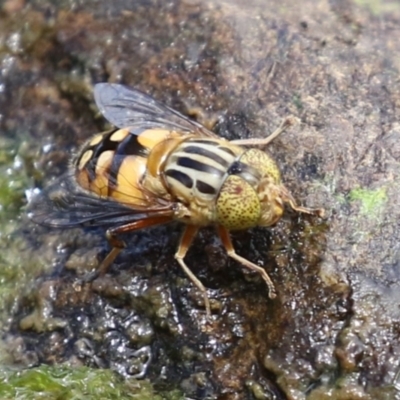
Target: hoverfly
(158, 166)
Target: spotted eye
(262, 162)
(238, 206)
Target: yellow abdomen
(114, 163)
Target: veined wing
(125, 107)
(64, 205)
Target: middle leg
(186, 240)
(227, 242)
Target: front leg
(288, 198)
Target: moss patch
(64, 383)
(372, 201)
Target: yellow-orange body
(231, 186)
(159, 166)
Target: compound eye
(238, 206)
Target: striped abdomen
(197, 168)
(114, 163)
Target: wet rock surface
(333, 330)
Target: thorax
(196, 169)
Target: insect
(158, 166)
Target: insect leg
(118, 244)
(288, 198)
(264, 141)
(186, 240)
(226, 241)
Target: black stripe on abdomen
(130, 146)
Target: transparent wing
(64, 205)
(125, 107)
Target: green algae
(66, 383)
(379, 7)
(371, 201)
(13, 183)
